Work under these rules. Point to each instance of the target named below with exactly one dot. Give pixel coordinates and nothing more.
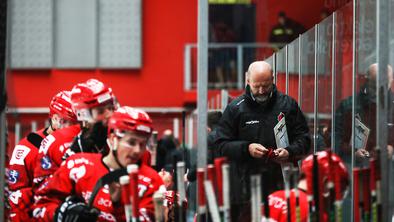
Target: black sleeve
(225, 137)
(300, 141)
(192, 175)
(338, 130)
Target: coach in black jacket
(246, 131)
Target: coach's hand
(281, 155)
(257, 150)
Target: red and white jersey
(20, 177)
(278, 206)
(78, 176)
(52, 150)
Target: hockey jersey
(278, 206)
(20, 176)
(52, 150)
(78, 176)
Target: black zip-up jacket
(245, 121)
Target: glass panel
(324, 62)
(342, 105)
(281, 70)
(390, 111)
(293, 67)
(308, 77)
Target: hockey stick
(201, 208)
(133, 174)
(125, 186)
(265, 193)
(338, 196)
(356, 191)
(255, 191)
(286, 172)
(314, 198)
(366, 194)
(373, 179)
(175, 175)
(212, 204)
(226, 192)
(181, 188)
(219, 183)
(331, 190)
(297, 195)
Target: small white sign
(362, 133)
(280, 131)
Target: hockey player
(68, 191)
(23, 161)
(93, 102)
(299, 196)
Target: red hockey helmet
(61, 105)
(90, 94)
(334, 169)
(126, 118)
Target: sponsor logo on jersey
(19, 155)
(45, 162)
(65, 146)
(104, 202)
(13, 176)
(77, 173)
(86, 195)
(106, 216)
(39, 212)
(46, 143)
(278, 203)
(72, 163)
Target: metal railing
(240, 55)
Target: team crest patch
(45, 163)
(13, 176)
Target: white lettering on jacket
(46, 143)
(252, 122)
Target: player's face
(102, 113)
(131, 148)
(58, 122)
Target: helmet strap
(114, 150)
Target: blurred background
(320, 52)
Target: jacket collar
(251, 100)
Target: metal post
(239, 66)
(333, 82)
(190, 131)
(382, 47)
(17, 132)
(353, 105)
(299, 71)
(4, 37)
(315, 121)
(33, 126)
(188, 67)
(202, 77)
(224, 100)
(274, 66)
(175, 123)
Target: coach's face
(260, 80)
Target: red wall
(167, 26)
